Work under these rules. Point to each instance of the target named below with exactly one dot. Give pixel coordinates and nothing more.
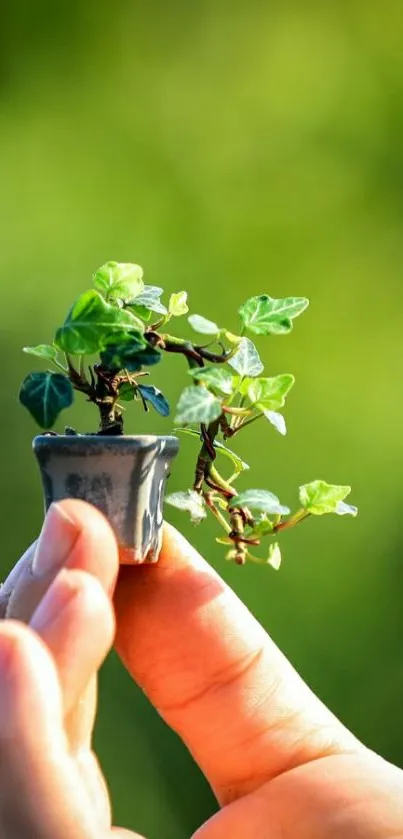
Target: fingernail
(54, 602)
(57, 538)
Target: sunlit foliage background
(231, 149)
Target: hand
(280, 764)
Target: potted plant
(112, 334)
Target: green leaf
(274, 557)
(91, 324)
(140, 312)
(131, 354)
(269, 394)
(127, 392)
(201, 324)
(197, 404)
(239, 464)
(177, 304)
(144, 358)
(150, 299)
(260, 500)
(45, 351)
(319, 497)
(246, 360)
(265, 315)
(262, 527)
(190, 501)
(241, 384)
(45, 395)
(119, 280)
(117, 355)
(277, 420)
(214, 377)
(149, 295)
(156, 398)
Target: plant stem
(236, 412)
(199, 354)
(233, 477)
(207, 452)
(292, 521)
(216, 512)
(220, 482)
(249, 421)
(79, 381)
(225, 426)
(159, 323)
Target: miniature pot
(123, 476)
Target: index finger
(215, 675)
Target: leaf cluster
(109, 320)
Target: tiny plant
(123, 323)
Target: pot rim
(95, 441)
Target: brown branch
(210, 483)
(242, 540)
(208, 440)
(79, 381)
(217, 358)
(194, 353)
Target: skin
(280, 764)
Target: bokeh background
(231, 149)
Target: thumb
(41, 793)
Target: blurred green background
(231, 149)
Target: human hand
(280, 764)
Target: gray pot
(123, 476)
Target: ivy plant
(126, 326)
